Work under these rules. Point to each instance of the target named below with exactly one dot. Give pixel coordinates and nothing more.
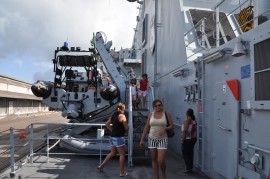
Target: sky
(30, 31)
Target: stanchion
(100, 135)
(12, 161)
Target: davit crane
(82, 95)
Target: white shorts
(158, 143)
(134, 97)
(142, 93)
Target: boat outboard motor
(42, 89)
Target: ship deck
(85, 166)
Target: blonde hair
(121, 106)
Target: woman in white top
(157, 138)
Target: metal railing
(9, 149)
(219, 28)
(12, 146)
(47, 139)
(130, 129)
(151, 97)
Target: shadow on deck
(75, 166)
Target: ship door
(225, 137)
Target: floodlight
(214, 56)
(208, 58)
(182, 72)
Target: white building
(16, 97)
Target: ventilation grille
(262, 70)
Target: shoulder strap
(166, 117)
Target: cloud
(33, 29)
(18, 62)
(44, 76)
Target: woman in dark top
(188, 139)
(117, 141)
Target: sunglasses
(158, 105)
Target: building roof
(13, 81)
(7, 94)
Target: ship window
(262, 70)
(144, 30)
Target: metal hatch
(225, 136)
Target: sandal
(99, 169)
(124, 174)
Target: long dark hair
(191, 114)
(156, 101)
(145, 75)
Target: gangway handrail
(151, 98)
(248, 21)
(218, 4)
(194, 26)
(218, 23)
(254, 18)
(226, 16)
(203, 35)
(130, 129)
(230, 13)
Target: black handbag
(170, 133)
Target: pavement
(23, 120)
